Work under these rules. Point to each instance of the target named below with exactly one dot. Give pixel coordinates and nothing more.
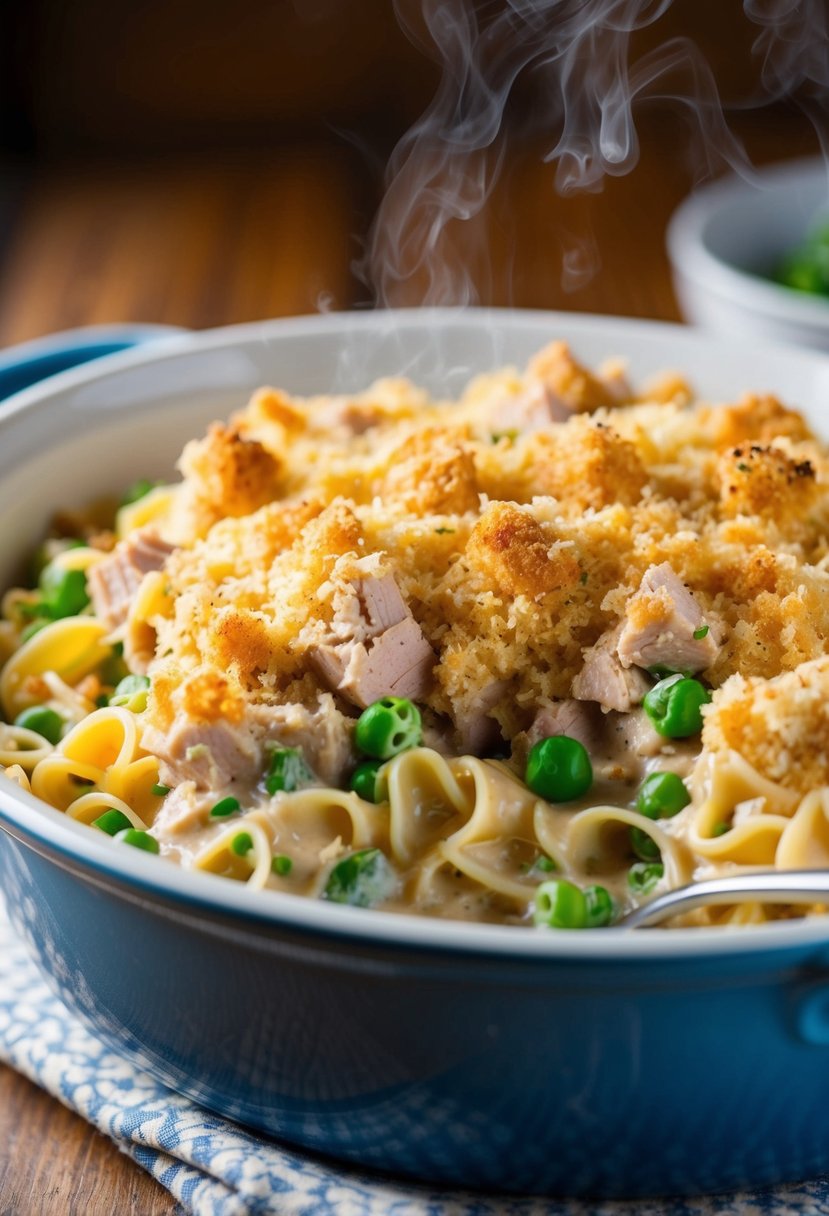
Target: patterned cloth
(214, 1168)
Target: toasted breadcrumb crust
(514, 549)
(781, 726)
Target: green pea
(224, 807)
(48, 551)
(131, 693)
(600, 907)
(241, 844)
(559, 769)
(63, 592)
(560, 904)
(138, 490)
(43, 721)
(160, 791)
(362, 879)
(112, 822)
(662, 795)
(365, 781)
(287, 771)
(644, 846)
(644, 875)
(674, 706)
(138, 840)
(281, 865)
(389, 726)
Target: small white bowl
(726, 239)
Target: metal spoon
(769, 887)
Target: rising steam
(572, 59)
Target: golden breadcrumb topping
(781, 726)
(517, 524)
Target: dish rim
(37, 825)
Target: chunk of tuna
(529, 410)
(581, 720)
(605, 680)
(570, 387)
(381, 603)
(184, 810)
(620, 745)
(324, 735)
(210, 754)
(396, 663)
(661, 621)
(114, 581)
(475, 730)
(355, 417)
(385, 653)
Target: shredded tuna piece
(114, 581)
(619, 744)
(529, 410)
(570, 387)
(665, 626)
(581, 720)
(386, 653)
(211, 755)
(605, 680)
(184, 809)
(476, 731)
(356, 417)
(323, 734)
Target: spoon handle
(770, 887)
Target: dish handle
(30, 362)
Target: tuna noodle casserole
(531, 656)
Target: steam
(572, 60)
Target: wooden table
(206, 242)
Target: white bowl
(726, 239)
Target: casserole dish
(603, 1064)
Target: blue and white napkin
(214, 1168)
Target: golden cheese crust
(515, 546)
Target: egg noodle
(532, 656)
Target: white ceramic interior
(726, 238)
(93, 430)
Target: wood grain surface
(206, 242)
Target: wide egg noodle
(72, 648)
(72, 705)
(804, 842)
(139, 629)
(89, 807)
(497, 845)
(728, 782)
(22, 747)
(314, 826)
(17, 775)
(596, 842)
(151, 508)
(252, 867)
(426, 800)
(102, 751)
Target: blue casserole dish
(594, 1064)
